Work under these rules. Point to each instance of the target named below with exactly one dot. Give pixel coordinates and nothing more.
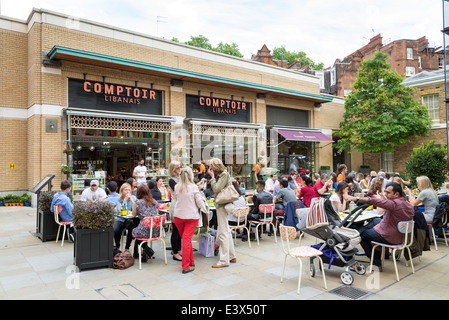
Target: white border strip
(35, 110)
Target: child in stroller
(339, 246)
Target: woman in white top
(186, 215)
(428, 197)
(337, 200)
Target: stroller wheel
(312, 268)
(360, 268)
(347, 278)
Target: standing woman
(219, 180)
(186, 215)
(341, 173)
(144, 206)
(174, 169)
(428, 197)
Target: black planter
(47, 228)
(93, 248)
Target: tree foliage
(201, 41)
(291, 56)
(380, 113)
(430, 161)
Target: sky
(325, 30)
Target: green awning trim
(179, 72)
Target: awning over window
(303, 135)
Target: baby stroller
(340, 241)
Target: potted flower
(2, 201)
(93, 222)
(66, 169)
(68, 150)
(325, 169)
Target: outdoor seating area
(32, 269)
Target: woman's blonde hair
(399, 181)
(172, 168)
(377, 185)
(217, 165)
(185, 179)
(122, 188)
(423, 182)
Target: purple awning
(303, 135)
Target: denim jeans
(368, 234)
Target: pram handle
(359, 211)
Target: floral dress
(143, 211)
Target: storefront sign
(114, 97)
(217, 109)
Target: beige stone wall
(31, 87)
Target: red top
(319, 185)
(307, 193)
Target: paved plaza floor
(32, 270)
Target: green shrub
(429, 161)
(93, 215)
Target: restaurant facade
(114, 97)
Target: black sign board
(114, 97)
(200, 107)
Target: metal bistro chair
(57, 210)
(153, 222)
(265, 209)
(241, 214)
(288, 234)
(405, 227)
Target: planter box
(94, 248)
(47, 228)
(365, 170)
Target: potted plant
(66, 169)
(325, 169)
(365, 169)
(67, 150)
(2, 201)
(26, 198)
(94, 233)
(47, 228)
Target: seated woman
(144, 206)
(239, 203)
(428, 197)
(125, 201)
(376, 190)
(155, 192)
(307, 192)
(337, 200)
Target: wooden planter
(94, 248)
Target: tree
(291, 56)
(203, 42)
(380, 113)
(430, 161)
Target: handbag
(123, 260)
(227, 194)
(207, 245)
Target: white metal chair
(288, 234)
(405, 227)
(241, 214)
(57, 210)
(265, 209)
(152, 223)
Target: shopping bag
(207, 245)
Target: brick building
(407, 58)
(117, 96)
